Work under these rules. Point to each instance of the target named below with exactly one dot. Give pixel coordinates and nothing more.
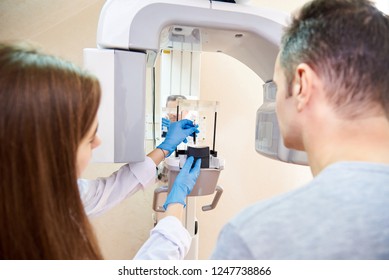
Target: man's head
(346, 42)
(171, 105)
(336, 53)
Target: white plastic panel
(144, 25)
(130, 106)
(122, 109)
(101, 63)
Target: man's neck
(352, 140)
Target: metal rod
(178, 110)
(214, 132)
(194, 134)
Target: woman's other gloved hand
(184, 183)
(178, 131)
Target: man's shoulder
(331, 189)
(259, 212)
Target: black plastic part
(228, 1)
(181, 152)
(199, 152)
(196, 228)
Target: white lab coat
(168, 240)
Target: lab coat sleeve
(102, 194)
(168, 240)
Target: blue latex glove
(178, 131)
(184, 183)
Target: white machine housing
(131, 34)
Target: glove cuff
(170, 202)
(165, 147)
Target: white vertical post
(191, 225)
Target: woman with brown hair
(48, 125)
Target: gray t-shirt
(343, 213)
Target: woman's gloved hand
(178, 131)
(184, 183)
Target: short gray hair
(347, 43)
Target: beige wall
(60, 27)
(64, 28)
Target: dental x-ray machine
(131, 34)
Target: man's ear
(302, 85)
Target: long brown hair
(47, 106)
